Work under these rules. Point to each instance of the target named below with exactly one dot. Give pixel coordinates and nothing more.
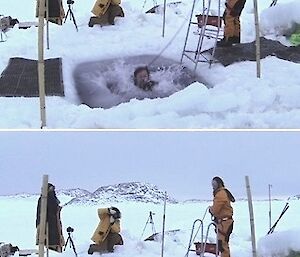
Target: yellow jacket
(104, 226)
(101, 6)
(221, 207)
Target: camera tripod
(71, 242)
(150, 221)
(70, 12)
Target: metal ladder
(203, 22)
(203, 242)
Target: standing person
(53, 222)
(231, 17)
(106, 235)
(222, 212)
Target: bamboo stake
(41, 63)
(164, 18)
(270, 207)
(43, 214)
(163, 230)
(257, 42)
(47, 18)
(251, 216)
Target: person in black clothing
(53, 222)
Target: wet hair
(139, 69)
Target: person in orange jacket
(222, 212)
(231, 17)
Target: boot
(236, 40)
(225, 42)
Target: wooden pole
(257, 42)
(47, 18)
(43, 214)
(163, 230)
(164, 18)
(41, 64)
(251, 216)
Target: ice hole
(107, 83)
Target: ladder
(210, 27)
(202, 246)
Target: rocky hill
(133, 191)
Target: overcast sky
(182, 163)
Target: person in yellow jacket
(222, 212)
(105, 12)
(231, 17)
(106, 235)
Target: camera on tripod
(70, 2)
(70, 229)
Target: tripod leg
(68, 12)
(74, 21)
(67, 243)
(73, 246)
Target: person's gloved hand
(234, 12)
(111, 211)
(111, 220)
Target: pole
(257, 43)
(47, 18)
(163, 230)
(164, 18)
(251, 216)
(270, 207)
(41, 63)
(42, 226)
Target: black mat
(20, 78)
(247, 52)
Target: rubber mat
(20, 78)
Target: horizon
(256, 198)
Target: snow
(234, 98)
(17, 223)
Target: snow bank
(280, 19)
(279, 244)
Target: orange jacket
(221, 205)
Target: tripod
(70, 241)
(70, 12)
(150, 221)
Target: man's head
(142, 78)
(217, 182)
(51, 187)
(115, 212)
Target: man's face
(142, 77)
(214, 184)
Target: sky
(179, 162)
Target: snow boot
(225, 42)
(236, 40)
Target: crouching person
(106, 11)
(106, 235)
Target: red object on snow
(211, 20)
(209, 248)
